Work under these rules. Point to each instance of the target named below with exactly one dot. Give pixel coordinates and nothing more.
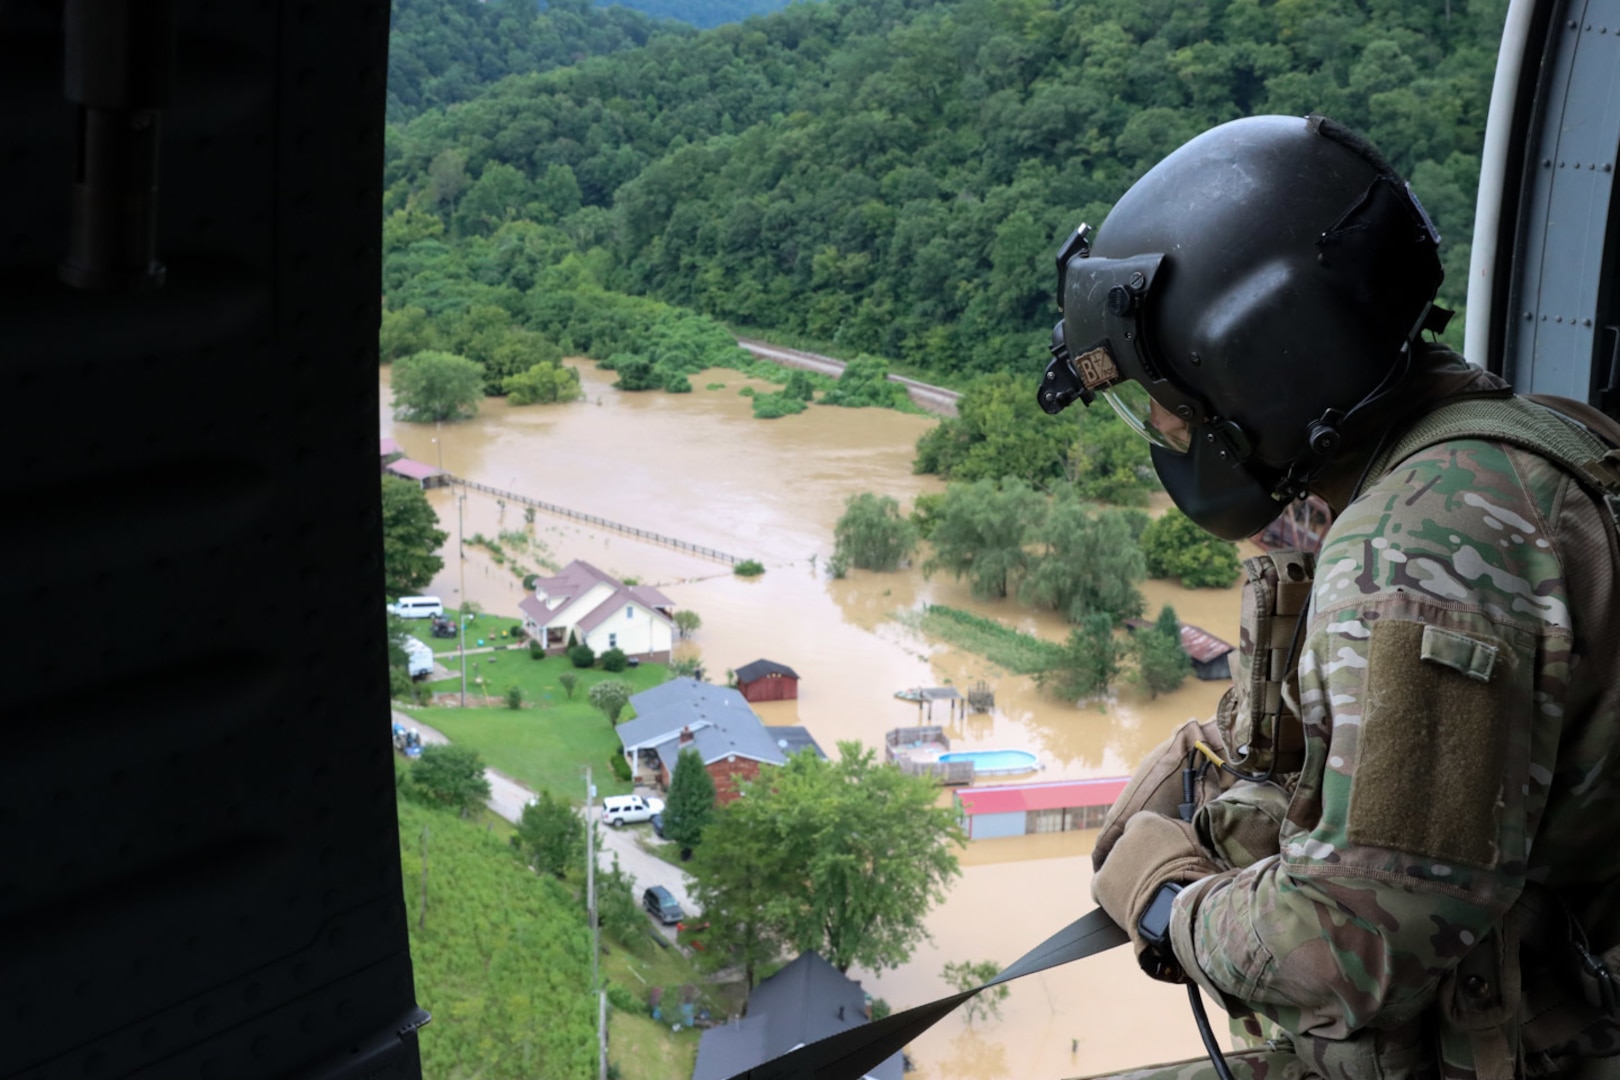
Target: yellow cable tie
(1204, 748)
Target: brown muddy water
(699, 467)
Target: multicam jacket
(1460, 691)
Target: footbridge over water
(598, 522)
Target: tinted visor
(1155, 423)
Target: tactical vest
(1535, 996)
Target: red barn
(766, 680)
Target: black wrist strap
(852, 1054)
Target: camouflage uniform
(1460, 692)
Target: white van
(416, 607)
(619, 809)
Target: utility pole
(461, 567)
(596, 931)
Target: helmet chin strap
(1324, 435)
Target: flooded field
(699, 467)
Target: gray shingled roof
(732, 735)
(662, 711)
(799, 1004)
(790, 740)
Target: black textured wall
(199, 870)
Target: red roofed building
(1208, 653)
(597, 609)
(1019, 809)
(425, 475)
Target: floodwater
(700, 468)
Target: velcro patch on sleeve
(1459, 652)
(1429, 771)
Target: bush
(614, 660)
(537, 651)
(620, 767)
(514, 697)
(676, 383)
(749, 568)
(582, 656)
(449, 775)
(568, 680)
(1175, 547)
(773, 406)
(623, 1000)
(530, 580)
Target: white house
(600, 611)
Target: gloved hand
(1152, 851)
(1156, 784)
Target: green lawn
(488, 627)
(548, 742)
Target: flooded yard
(699, 467)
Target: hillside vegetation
(893, 176)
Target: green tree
(404, 332)
(617, 911)
(550, 835)
(690, 807)
(844, 857)
(1175, 547)
(450, 775)
(614, 660)
(411, 538)
(865, 382)
(543, 384)
(610, 696)
(1161, 663)
(1087, 663)
(568, 680)
(687, 621)
(431, 386)
(1087, 562)
(964, 975)
(872, 534)
(581, 655)
(982, 533)
(1000, 431)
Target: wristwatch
(1158, 959)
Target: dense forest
(444, 51)
(892, 176)
(702, 13)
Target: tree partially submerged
(431, 386)
(1175, 547)
(983, 532)
(846, 858)
(872, 534)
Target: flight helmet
(1248, 306)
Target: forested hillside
(703, 13)
(893, 176)
(444, 51)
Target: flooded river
(699, 467)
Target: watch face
(1154, 925)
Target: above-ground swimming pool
(986, 762)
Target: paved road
(507, 798)
(936, 399)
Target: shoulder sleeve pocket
(1429, 772)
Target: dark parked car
(661, 905)
(658, 825)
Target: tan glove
(1156, 785)
(1153, 850)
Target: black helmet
(1262, 284)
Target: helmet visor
(1155, 423)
